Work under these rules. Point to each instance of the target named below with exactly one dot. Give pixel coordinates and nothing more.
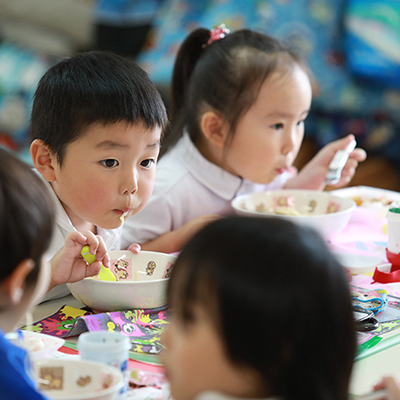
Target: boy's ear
(43, 159)
(214, 128)
(13, 286)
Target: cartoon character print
(151, 266)
(311, 206)
(120, 269)
(168, 270)
(332, 207)
(83, 381)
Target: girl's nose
(289, 141)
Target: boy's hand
(312, 176)
(69, 266)
(135, 248)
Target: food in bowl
(142, 281)
(70, 379)
(371, 202)
(323, 211)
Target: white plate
(358, 263)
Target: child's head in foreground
(260, 308)
(243, 100)
(96, 124)
(26, 223)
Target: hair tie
(218, 32)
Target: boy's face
(108, 172)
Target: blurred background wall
(351, 46)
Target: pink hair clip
(217, 33)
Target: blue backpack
(372, 40)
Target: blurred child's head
(96, 124)
(26, 224)
(260, 308)
(245, 95)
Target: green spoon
(105, 274)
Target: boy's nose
(130, 185)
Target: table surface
(368, 370)
(365, 373)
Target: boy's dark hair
(225, 76)
(92, 87)
(279, 300)
(26, 216)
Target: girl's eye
(277, 126)
(109, 163)
(147, 163)
(300, 122)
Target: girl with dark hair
(26, 225)
(260, 309)
(239, 102)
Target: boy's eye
(109, 163)
(147, 163)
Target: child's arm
(391, 387)
(312, 176)
(172, 242)
(68, 265)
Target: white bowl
(68, 379)
(143, 284)
(38, 345)
(323, 211)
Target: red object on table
(393, 275)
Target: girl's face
(195, 361)
(269, 135)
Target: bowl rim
(352, 203)
(142, 252)
(116, 282)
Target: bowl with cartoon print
(326, 213)
(71, 379)
(142, 281)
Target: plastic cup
(110, 348)
(393, 218)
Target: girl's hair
(279, 300)
(224, 76)
(26, 216)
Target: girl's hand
(172, 242)
(312, 176)
(69, 266)
(391, 386)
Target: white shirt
(187, 185)
(221, 396)
(111, 237)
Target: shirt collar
(213, 177)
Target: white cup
(110, 348)
(393, 217)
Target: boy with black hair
(96, 125)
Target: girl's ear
(43, 160)
(12, 287)
(214, 128)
